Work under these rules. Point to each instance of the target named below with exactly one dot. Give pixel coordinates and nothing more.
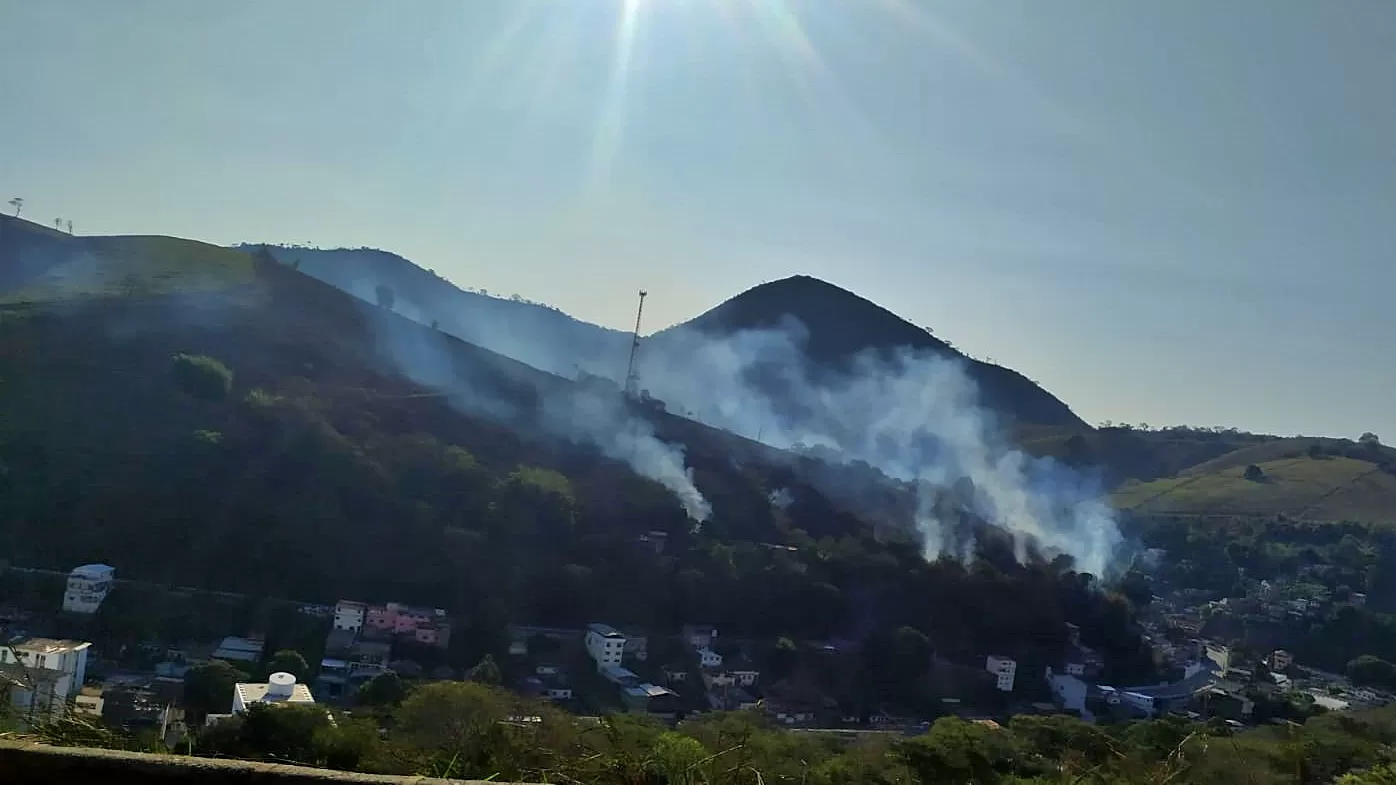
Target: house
(43, 674)
(280, 689)
(655, 539)
(1068, 690)
(699, 636)
(87, 586)
(715, 678)
(1140, 701)
(674, 674)
(339, 642)
(637, 647)
(648, 697)
(605, 644)
(745, 674)
(741, 700)
(618, 675)
(708, 658)
(368, 658)
(236, 649)
(1281, 660)
(349, 615)
(1004, 670)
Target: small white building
(1069, 691)
(605, 644)
(87, 586)
(280, 688)
(708, 658)
(349, 615)
(747, 677)
(43, 675)
(1004, 670)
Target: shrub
(202, 377)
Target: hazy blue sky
(1168, 212)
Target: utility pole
(632, 377)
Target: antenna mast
(632, 379)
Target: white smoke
(583, 414)
(916, 417)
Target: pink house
(423, 624)
(382, 618)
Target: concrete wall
(23, 763)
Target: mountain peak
(841, 325)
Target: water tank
(280, 685)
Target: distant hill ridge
(840, 324)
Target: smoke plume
(594, 414)
(915, 417)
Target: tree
(485, 671)
(70, 226)
(208, 689)
(58, 224)
(202, 377)
(385, 689)
(1254, 473)
(289, 661)
(385, 296)
(1315, 451)
(18, 204)
(1368, 438)
(1372, 671)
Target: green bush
(202, 377)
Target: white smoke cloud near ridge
(914, 416)
(582, 414)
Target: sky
(1172, 213)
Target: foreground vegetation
(470, 730)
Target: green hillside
(1323, 489)
(216, 419)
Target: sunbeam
(610, 127)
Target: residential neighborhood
(687, 670)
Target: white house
(1004, 670)
(43, 674)
(349, 615)
(1140, 701)
(1069, 691)
(709, 658)
(605, 644)
(746, 676)
(87, 586)
(280, 688)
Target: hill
(533, 333)
(1327, 488)
(211, 418)
(837, 325)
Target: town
(342, 649)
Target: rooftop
(605, 630)
(257, 693)
(647, 691)
(95, 571)
(48, 645)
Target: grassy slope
(1330, 488)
